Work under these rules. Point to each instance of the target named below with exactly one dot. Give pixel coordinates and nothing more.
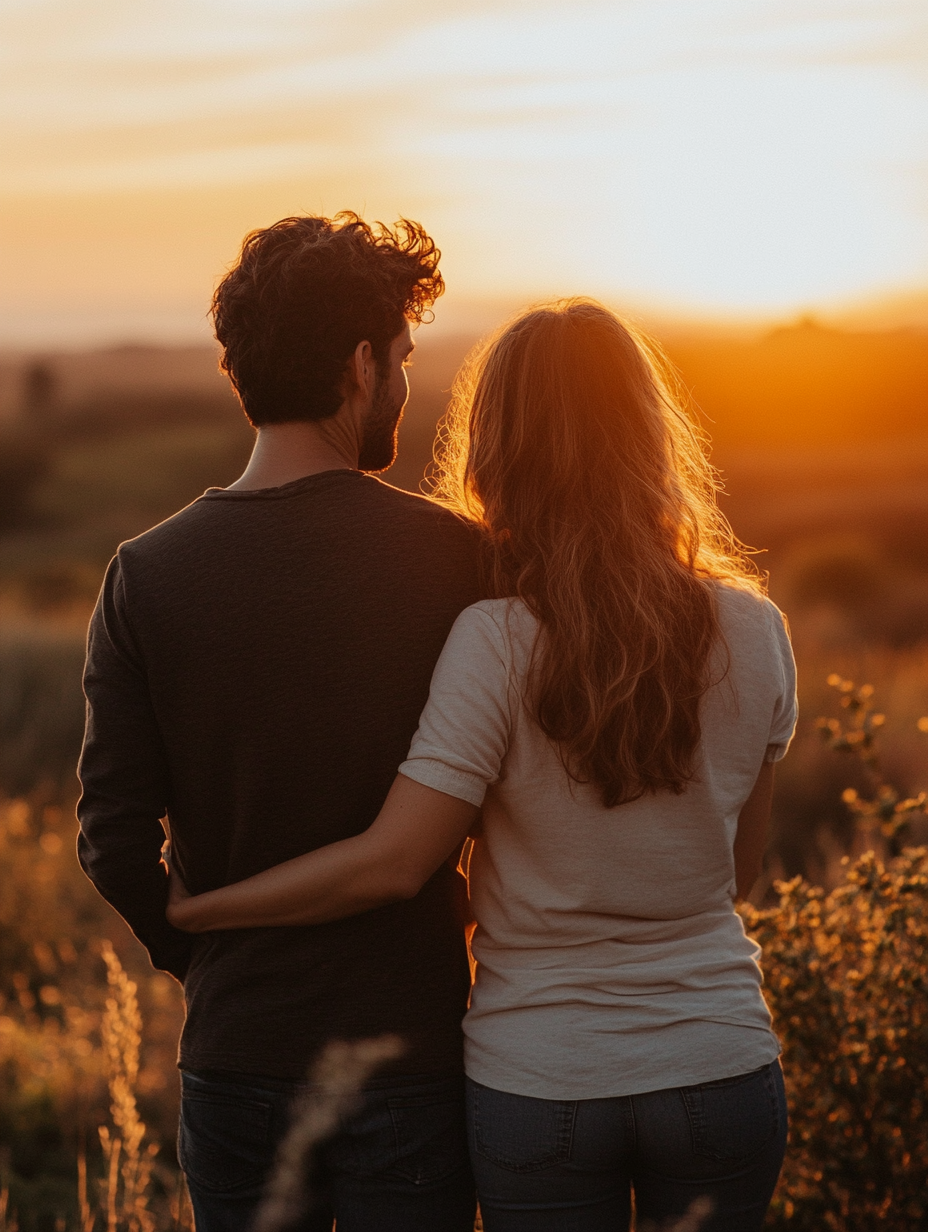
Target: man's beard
(378, 444)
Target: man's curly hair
(303, 294)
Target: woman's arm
(415, 831)
(753, 824)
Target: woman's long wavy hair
(565, 441)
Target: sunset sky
(722, 158)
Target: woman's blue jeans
(545, 1165)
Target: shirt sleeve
(786, 709)
(126, 784)
(464, 731)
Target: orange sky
(721, 158)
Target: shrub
(847, 983)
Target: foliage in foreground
(847, 982)
(87, 1040)
(117, 1194)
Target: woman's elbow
(403, 889)
(398, 883)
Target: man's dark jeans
(398, 1165)
(546, 1165)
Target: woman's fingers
(177, 891)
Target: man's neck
(285, 452)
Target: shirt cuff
(458, 783)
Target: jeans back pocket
(224, 1142)
(734, 1118)
(431, 1141)
(519, 1133)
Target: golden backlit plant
(884, 810)
(846, 977)
(128, 1163)
(70, 1051)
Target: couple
(326, 685)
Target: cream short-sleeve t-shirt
(610, 959)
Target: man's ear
(359, 371)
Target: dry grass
(83, 1043)
(114, 1191)
(128, 1160)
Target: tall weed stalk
(125, 1194)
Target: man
(256, 668)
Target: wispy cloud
(741, 151)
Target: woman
(615, 713)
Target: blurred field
(822, 441)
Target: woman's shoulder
(499, 608)
(507, 623)
(500, 612)
(754, 629)
(747, 607)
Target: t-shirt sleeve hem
(457, 783)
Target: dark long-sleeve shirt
(256, 668)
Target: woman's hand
(178, 894)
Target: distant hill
(807, 385)
(803, 384)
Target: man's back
(260, 662)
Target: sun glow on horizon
(733, 158)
